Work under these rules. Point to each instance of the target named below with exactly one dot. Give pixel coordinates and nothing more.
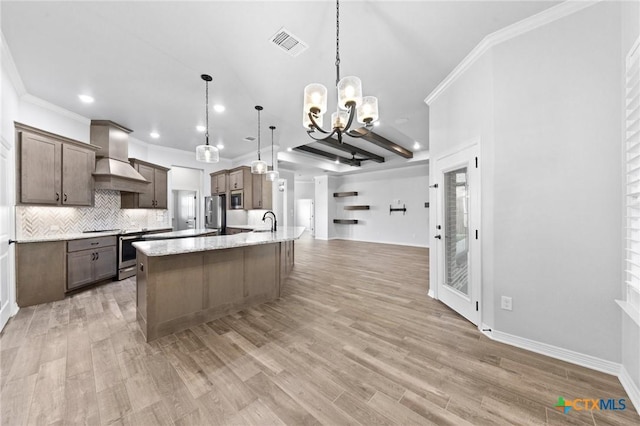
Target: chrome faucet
(274, 222)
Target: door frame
(9, 307)
(468, 153)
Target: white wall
(409, 186)
(304, 190)
(630, 330)
(546, 108)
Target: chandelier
(350, 103)
(207, 153)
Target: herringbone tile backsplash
(35, 221)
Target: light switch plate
(506, 303)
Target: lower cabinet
(40, 272)
(90, 260)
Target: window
(631, 302)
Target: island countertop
(221, 242)
(185, 233)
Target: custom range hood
(113, 170)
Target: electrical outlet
(506, 303)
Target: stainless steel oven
(127, 255)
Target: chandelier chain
(272, 128)
(337, 42)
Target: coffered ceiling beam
(383, 142)
(327, 155)
(333, 143)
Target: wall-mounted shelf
(345, 194)
(346, 221)
(356, 207)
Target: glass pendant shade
(258, 167)
(315, 96)
(368, 111)
(207, 154)
(349, 90)
(306, 123)
(272, 175)
(339, 119)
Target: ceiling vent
(288, 42)
(249, 139)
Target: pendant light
(258, 167)
(273, 174)
(207, 153)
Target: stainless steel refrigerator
(215, 213)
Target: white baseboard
(567, 355)
(630, 387)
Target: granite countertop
(252, 227)
(185, 233)
(83, 235)
(192, 245)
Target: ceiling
(142, 61)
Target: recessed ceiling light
(154, 135)
(337, 161)
(220, 146)
(219, 108)
(86, 99)
(289, 149)
(201, 128)
(416, 145)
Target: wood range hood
(113, 170)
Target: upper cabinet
(236, 178)
(53, 170)
(261, 192)
(219, 182)
(154, 196)
(255, 189)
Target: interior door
(185, 209)
(6, 275)
(457, 239)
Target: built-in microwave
(235, 200)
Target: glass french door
(457, 241)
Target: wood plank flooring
(353, 340)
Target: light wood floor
(353, 340)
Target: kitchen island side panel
(188, 289)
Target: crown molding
(9, 66)
(545, 17)
(34, 100)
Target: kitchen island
(188, 281)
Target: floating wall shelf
(356, 207)
(346, 221)
(345, 194)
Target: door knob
(438, 237)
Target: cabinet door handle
(97, 256)
(93, 256)
(142, 267)
(57, 196)
(65, 197)
(94, 244)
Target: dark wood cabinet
(53, 170)
(90, 260)
(154, 195)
